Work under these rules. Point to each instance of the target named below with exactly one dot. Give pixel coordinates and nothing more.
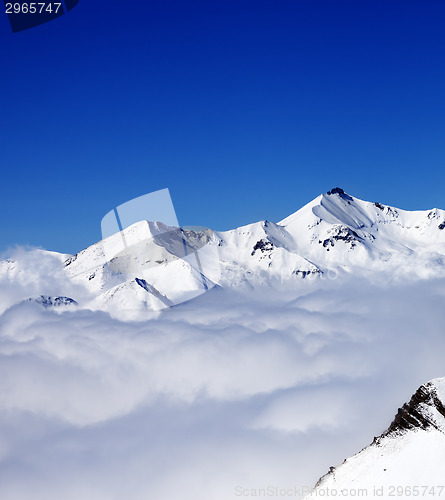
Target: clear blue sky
(245, 110)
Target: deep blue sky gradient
(245, 110)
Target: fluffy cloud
(232, 389)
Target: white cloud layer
(231, 389)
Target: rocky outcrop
(46, 301)
(420, 412)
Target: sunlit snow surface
(407, 460)
(334, 234)
(232, 390)
(319, 328)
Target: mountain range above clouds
(151, 266)
(159, 266)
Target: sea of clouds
(213, 399)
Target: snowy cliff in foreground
(268, 380)
(406, 460)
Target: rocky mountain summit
(406, 458)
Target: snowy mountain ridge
(408, 456)
(150, 266)
(425, 410)
(344, 234)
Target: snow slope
(339, 230)
(406, 460)
(337, 233)
(146, 267)
(150, 266)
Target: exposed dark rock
(46, 301)
(392, 211)
(416, 414)
(142, 283)
(70, 260)
(379, 205)
(441, 226)
(263, 245)
(432, 215)
(341, 233)
(346, 234)
(327, 242)
(304, 274)
(341, 193)
(336, 190)
(153, 290)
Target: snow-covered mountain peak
(339, 208)
(425, 410)
(336, 233)
(341, 231)
(409, 454)
(147, 266)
